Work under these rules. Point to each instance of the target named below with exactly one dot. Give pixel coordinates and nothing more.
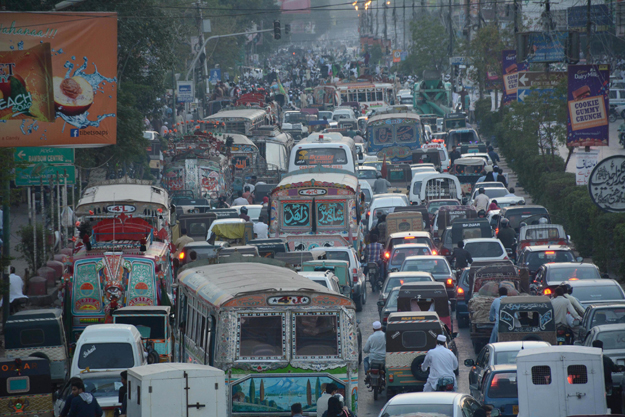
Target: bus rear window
(320, 156)
(316, 335)
(261, 336)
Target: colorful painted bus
(369, 95)
(278, 336)
(126, 261)
(394, 135)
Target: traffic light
(287, 29)
(276, 30)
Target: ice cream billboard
(588, 105)
(58, 79)
(510, 75)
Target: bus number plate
(288, 300)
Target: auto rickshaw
(410, 221)
(399, 175)
(409, 337)
(447, 214)
(426, 296)
(522, 316)
(26, 387)
(462, 229)
(154, 324)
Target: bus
(369, 95)
(393, 136)
(242, 121)
(329, 150)
(279, 337)
(126, 259)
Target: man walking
(494, 313)
(322, 402)
(83, 403)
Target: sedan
(500, 390)
(595, 291)
(439, 404)
(399, 253)
(440, 270)
(501, 353)
(555, 273)
(613, 337)
(104, 386)
(486, 249)
(599, 314)
(533, 257)
(397, 279)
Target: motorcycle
(374, 276)
(613, 115)
(445, 384)
(376, 378)
(564, 335)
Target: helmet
(543, 220)
(378, 175)
(482, 190)
(567, 287)
(243, 210)
(505, 222)
(481, 213)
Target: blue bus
(394, 136)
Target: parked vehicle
(409, 336)
(500, 353)
(563, 380)
(154, 325)
(103, 385)
(178, 389)
(520, 316)
(38, 333)
(106, 347)
(26, 387)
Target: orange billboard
(58, 79)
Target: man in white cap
(375, 346)
(442, 363)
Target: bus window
(260, 336)
(344, 98)
(362, 97)
(370, 96)
(316, 334)
(379, 95)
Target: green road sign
(43, 155)
(31, 175)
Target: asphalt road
(366, 405)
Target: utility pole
(515, 13)
(201, 35)
(588, 32)
(404, 26)
(385, 27)
(496, 18)
(395, 24)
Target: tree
(430, 47)
(485, 52)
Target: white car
(438, 404)
(253, 210)
(486, 249)
(324, 278)
(494, 193)
(478, 155)
(367, 173)
(103, 385)
(384, 203)
(501, 353)
(488, 184)
(365, 187)
(343, 113)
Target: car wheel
(364, 295)
(358, 302)
(463, 322)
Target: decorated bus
(123, 255)
(279, 337)
(317, 208)
(394, 135)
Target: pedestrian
(261, 229)
(248, 195)
(501, 178)
(494, 313)
(608, 368)
(481, 200)
(461, 256)
(442, 363)
(68, 399)
(164, 129)
(296, 410)
(494, 156)
(83, 403)
(240, 201)
(322, 402)
(336, 408)
(122, 396)
(16, 292)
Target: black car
(533, 257)
(554, 274)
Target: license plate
(561, 339)
(515, 409)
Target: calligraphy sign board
(586, 161)
(605, 184)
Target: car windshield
(611, 315)
(337, 255)
(588, 294)
(399, 255)
(366, 174)
(495, 192)
(398, 282)
(503, 385)
(103, 387)
(536, 259)
(516, 216)
(573, 273)
(433, 207)
(391, 303)
(612, 340)
(484, 249)
(506, 358)
(433, 266)
(421, 410)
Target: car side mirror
(454, 335)
(605, 276)
(579, 259)
(469, 362)
(381, 303)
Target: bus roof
(237, 138)
(406, 115)
(321, 179)
(121, 194)
(240, 113)
(255, 283)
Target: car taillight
(547, 291)
(450, 282)
(445, 252)
(387, 255)
(368, 213)
(181, 256)
(434, 252)
(496, 231)
(460, 293)
(385, 319)
(391, 377)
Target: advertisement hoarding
(510, 75)
(185, 91)
(58, 79)
(586, 162)
(600, 16)
(588, 105)
(546, 47)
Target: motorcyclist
(481, 214)
(375, 346)
(243, 214)
(373, 253)
(442, 363)
(568, 294)
(507, 235)
(380, 186)
(481, 200)
(561, 306)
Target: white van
(329, 150)
(560, 381)
(433, 186)
(442, 152)
(107, 347)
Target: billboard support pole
(6, 250)
(43, 218)
(588, 30)
(59, 203)
(34, 230)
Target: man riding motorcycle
(375, 346)
(507, 236)
(562, 306)
(442, 363)
(373, 253)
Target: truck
(176, 389)
(560, 381)
(432, 95)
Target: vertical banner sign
(510, 76)
(58, 79)
(586, 162)
(588, 105)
